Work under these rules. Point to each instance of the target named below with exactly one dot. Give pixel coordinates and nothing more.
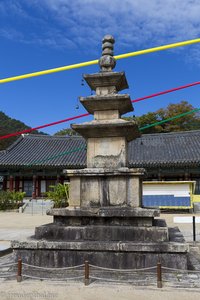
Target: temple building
(35, 162)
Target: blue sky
(42, 34)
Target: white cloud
(134, 23)
(12, 7)
(11, 34)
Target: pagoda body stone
(105, 222)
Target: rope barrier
(170, 119)
(64, 268)
(88, 277)
(166, 92)
(180, 270)
(121, 281)
(45, 278)
(56, 156)
(141, 128)
(93, 62)
(87, 114)
(83, 115)
(42, 126)
(8, 275)
(8, 265)
(123, 270)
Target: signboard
(168, 194)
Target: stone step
(38, 206)
(109, 254)
(102, 233)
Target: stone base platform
(118, 255)
(118, 215)
(101, 233)
(104, 224)
(113, 237)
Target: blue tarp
(164, 200)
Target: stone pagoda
(104, 222)
(107, 183)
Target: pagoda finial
(107, 62)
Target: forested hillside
(9, 125)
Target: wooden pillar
(5, 184)
(159, 175)
(58, 179)
(11, 183)
(34, 187)
(21, 183)
(62, 179)
(17, 184)
(39, 187)
(187, 175)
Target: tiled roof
(166, 149)
(45, 151)
(178, 148)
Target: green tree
(59, 193)
(11, 200)
(67, 132)
(188, 122)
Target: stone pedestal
(113, 237)
(105, 187)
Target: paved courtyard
(77, 291)
(20, 226)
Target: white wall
(178, 190)
(43, 186)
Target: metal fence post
(19, 270)
(159, 275)
(194, 229)
(87, 272)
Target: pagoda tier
(106, 79)
(119, 102)
(104, 129)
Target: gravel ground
(32, 290)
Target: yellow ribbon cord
(93, 62)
